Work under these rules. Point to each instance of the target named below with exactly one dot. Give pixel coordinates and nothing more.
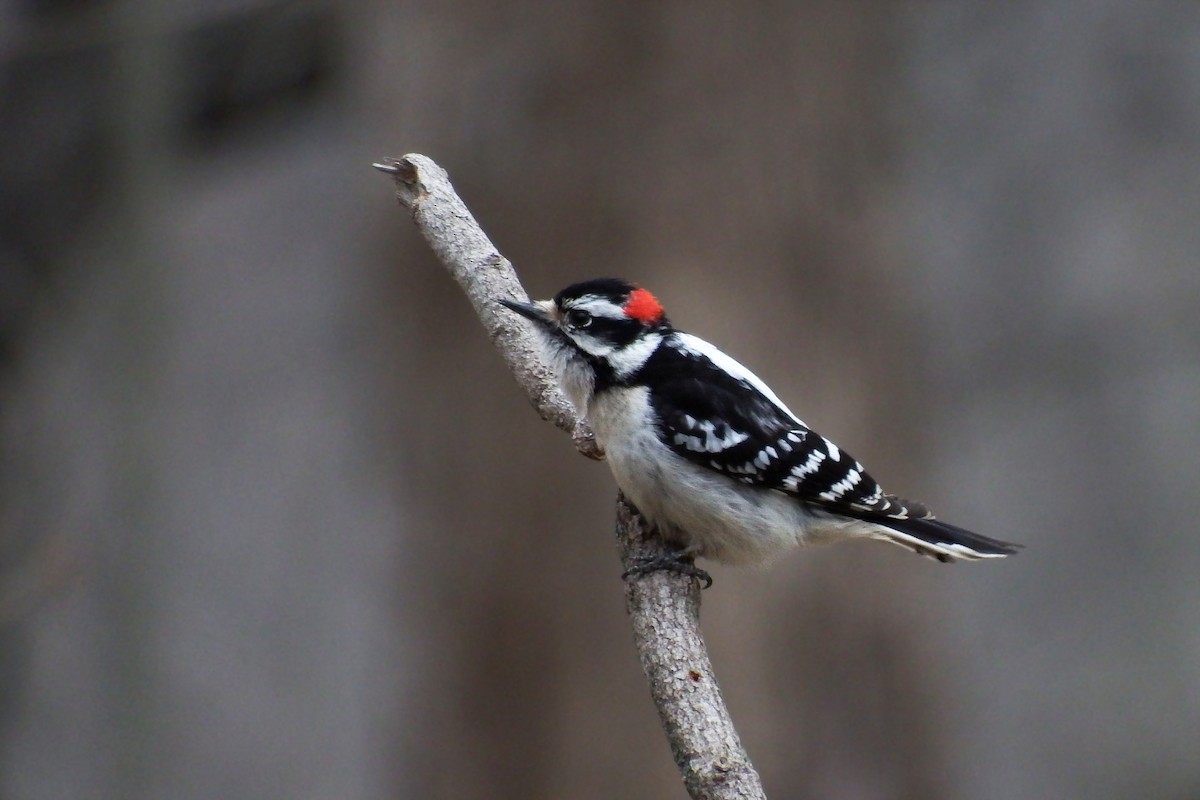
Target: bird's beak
(533, 311)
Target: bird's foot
(677, 562)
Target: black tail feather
(944, 541)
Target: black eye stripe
(619, 332)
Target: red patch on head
(642, 306)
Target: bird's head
(611, 325)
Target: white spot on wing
(810, 465)
(731, 439)
(705, 439)
(843, 486)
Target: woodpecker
(706, 451)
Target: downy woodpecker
(705, 449)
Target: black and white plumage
(705, 449)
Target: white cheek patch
(590, 344)
(629, 359)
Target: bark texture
(665, 610)
(664, 607)
(485, 276)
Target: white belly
(712, 515)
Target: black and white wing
(716, 413)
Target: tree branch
(664, 607)
(486, 276)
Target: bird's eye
(578, 318)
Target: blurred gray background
(274, 522)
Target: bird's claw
(668, 562)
